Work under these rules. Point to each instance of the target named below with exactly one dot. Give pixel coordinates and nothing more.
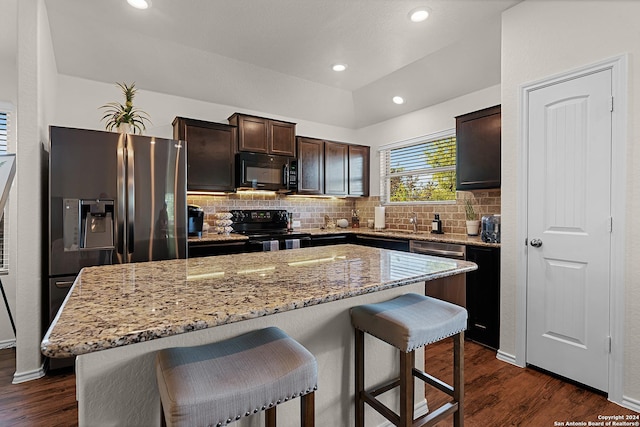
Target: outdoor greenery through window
(420, 170)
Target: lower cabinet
(331, 239)
(200, 249)
(383, 242)
(483, 296)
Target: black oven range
(268, 229)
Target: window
(4, 231)
(419, 170)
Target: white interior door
(569, 212)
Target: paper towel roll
(378, 222)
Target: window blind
(4, 232)
(422, 171)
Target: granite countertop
(215, 237)
(461, 239)
(117, 305)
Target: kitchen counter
(461, 239)
(215, 237)
(117, 305)
(116, 317)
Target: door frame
(618, 67)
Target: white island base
(117, 387)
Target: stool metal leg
(270, 417)
(407, 362)
(307, 410)
(359, 368)
(458, 378)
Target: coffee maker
(491, 229)
(195, 214)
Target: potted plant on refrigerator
(125, 118)
(473, 224)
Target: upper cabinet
(310, 165)
(478, 149)
(332, 168)
(336, 168)
(358, 170)
(210, 154)
(262, 135)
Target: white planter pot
(473, 227)
(125, 128)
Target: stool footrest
(381, 408)
(383, 388)
(433, 381)
(434, 417)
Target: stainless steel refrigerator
(113, 199)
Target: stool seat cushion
(410, 321)
(216, 384)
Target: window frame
(385, 175)
(9, 112)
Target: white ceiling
(275, 55)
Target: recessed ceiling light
(140, 4)
(398, 100)
(418, 15)
(339, 67)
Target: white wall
(422, 122)
(79, 107)
(35, 94)
(540, 39)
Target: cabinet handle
(64, 285)
(477, 325)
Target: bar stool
(409, 322)
(217, 384)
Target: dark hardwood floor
(500, 394)
(48, 401)
(497, 394)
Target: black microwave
(265, 172)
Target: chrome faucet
(414, 220)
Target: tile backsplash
(451, 213)
(310, 211)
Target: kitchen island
(116, 317)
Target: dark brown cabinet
(210, 154)
(332, 168)
(336, 168)
(208, 248)
(382, 242)
(478, 149)
(358, 170)
(310, 165)
(483, 296)
(262, 135)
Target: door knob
(536, 243)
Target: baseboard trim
(419, 409)
(7, 344)
(506, 357)
(630, 403)
(23, 377)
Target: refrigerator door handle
(131, 200)
(120, 205)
